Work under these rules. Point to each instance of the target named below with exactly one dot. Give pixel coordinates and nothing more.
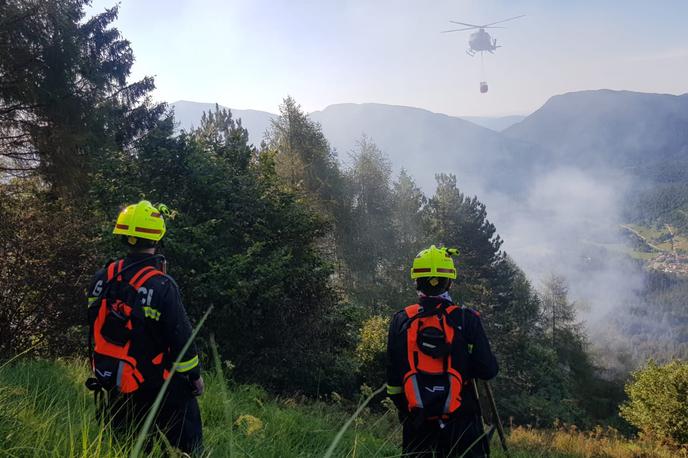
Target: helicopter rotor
(466, 24)
(486, 26)
(458, 30)
(505, 20)
(470, 28)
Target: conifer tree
(458, 221)
(410, 227)
(369, 240)
(65, 98)
(304, 158)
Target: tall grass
(45, 411)
(352, 418)
(571, 442)
(150, 418)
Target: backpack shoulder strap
(118, 268)
(412, 311)
(143, 275)
(114, 268)
(451, 313)
(125, 291)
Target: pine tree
(558, 314)
(458, 221)
(67, 113)
(410, 227)
(304, 158)
(65, 101)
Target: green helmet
(434, 262)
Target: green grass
(46, 411)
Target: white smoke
(568, 224)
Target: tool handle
(497, 420)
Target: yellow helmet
(141, 220)
(434, 262)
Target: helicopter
(481, 41)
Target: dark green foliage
(297, 254)
(64, 95)
(458, 221)
(661, 203)
(44, 266)
(66, 109)
(529, 387)
(595, 396)
(243, 244)
(241, 241)
(657, 325)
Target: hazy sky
(250, 54)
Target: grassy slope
(661, 237)
(46, 411)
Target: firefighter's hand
(197, 386)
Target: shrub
(658, 402)
(371, 348)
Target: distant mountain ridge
(426, 143)
(588, 125)
(188, 114)
(419, 140)
(638, 136)
(622, 129)
(642, 135)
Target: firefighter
(435, 349)
(138, 327)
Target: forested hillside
(480, 157)
(584, 167)
(303, 256)
(268, 236)
(638, 144)
(642, 136)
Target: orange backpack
(125, 354)
(431, 386)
